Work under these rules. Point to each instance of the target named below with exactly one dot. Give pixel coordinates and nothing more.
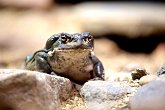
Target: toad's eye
(65, 39)
(87, 39)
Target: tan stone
(40, 4)
(30, 90)
(146, 79)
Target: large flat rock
(30, 90)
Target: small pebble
(146, 79)
(138, 73)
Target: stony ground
(16, 42)
(76, 102)
(118, 65)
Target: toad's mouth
(73, 49)
(81, 48)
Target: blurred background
(128, 33)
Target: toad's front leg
(98, 69)
(38, 62)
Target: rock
(30, 90)
(161, 70)
(146, 79)
(126, 19)
(138, 73)
(150, 96)
(39, 4)
(101, 91)
(161, 77)
(103, 95)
